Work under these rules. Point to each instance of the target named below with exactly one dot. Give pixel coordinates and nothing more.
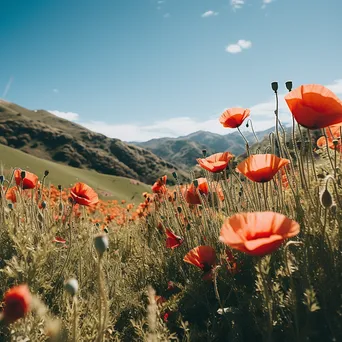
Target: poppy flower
(29, 181)
(216, 162)
(203, 257)
(257, 233)
(314, 106)
(12, 194)
(333, 140)
(83, 194)
(159, 187)
(58, 239)
(261, 167)
(17, 302)
(234, 117)
(172, 240)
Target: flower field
(250, 251)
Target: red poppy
(59, 240)
(172, 240)
(333, 140)
(314, 106)
(160, 300)
(203, 257)
(190, 194)
(12, 194)
(234, 117)
(30, 180)
(261, 167)
(231, 262)
(216, 162)
(17, 302)
(257, 233)
(159, 187)
(84, 194)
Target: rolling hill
(44, 135)
(107, 186)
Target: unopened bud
(71, 286)
(44, 204)
(335, 142)
(195, 182)
(326, 199)
(10, 206)
(46, 173)
(59, 187)
(174, 174)
(101, 243)
(179, 209)
(23, 174)
(288, 85)
(204, 152)
(2, 178)
(274, 86)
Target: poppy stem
(74, 323)
(217, 294)
(247, 144)
(267, 300)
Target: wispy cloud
(239, 46)
(7, 87)
(265, 3)
(236, 4)
(65, 115)
(209, 14)
(262, 115)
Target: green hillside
(107, 186)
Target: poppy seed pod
(274, 86)
(174, 174)
(204, 152)
(326, 199)
(2, 178)
(46, 173)
(23, 174)
(101, 243)
(288, 85)
(71, 286)
(195, 182)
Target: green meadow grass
(107, 186)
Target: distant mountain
(47, 136)
(184, 150)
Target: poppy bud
(10, 206)
(247, 124)
(71, 286)
(174, 174)
(101, 243)
(46, 173)
(2, 178)
(17, 302)
(179, 209)
(326, 199)
(105, 230)
(288, 85)
(59, 187)
(335, 142)
(23, 174)
(274, 86)
(204, 152)
(195, 182)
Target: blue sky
(139, 69)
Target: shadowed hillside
(47, 136)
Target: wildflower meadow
(249, 251)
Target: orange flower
(172, 240)
(12, 194)
(159, 186)
(30, 180)
(234, 117)
(257, 233)
(190, 194)
(203, 257)
(216, 162)
(333, 133)
(17, 301)
(84, 194)
(261, 167)
(314, 106)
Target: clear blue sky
(144, 63)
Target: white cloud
(209, 14)
(65, 115)
(236, 4)
(262, 115)
(7, 87)
(55, 90)
(239, 46)
(265, 3)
